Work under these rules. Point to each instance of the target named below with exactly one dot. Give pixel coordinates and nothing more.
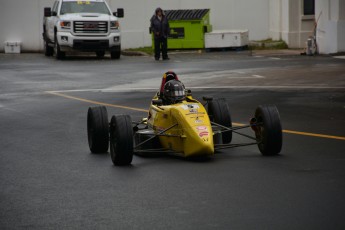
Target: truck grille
(91, 27)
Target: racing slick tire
(98, 129)
(269, 133)
(219, 112)
(121, 140)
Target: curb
(133, 53)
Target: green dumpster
(187, 28)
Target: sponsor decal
(201, 128)
(198, 121)
(83, 2)
(190, 106)
(196, 117)
(193, 106)
(203, 133)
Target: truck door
(52, 20)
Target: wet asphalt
(50, 180)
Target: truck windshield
(84, 7)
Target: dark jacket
(160, 28)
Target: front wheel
(115, 54)
(59, 55)
(98, 129)
(48, 51)
(219, 112)
(268, 130)
(121, 140)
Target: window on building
(308, 7)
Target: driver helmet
(174, 92)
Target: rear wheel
(219, 112)
(269, 132)
(98, 129)
(121, 140)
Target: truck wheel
(218, 111)
(59, 55)
(48, 51)
(115, 54)
(121, 140)
(100, 54)
(269, 133)
(98, 129)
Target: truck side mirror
(54, 13)
(120, 13)
(47, 12)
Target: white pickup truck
(89, 26)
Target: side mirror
(54, 13)
(47, 12)
(157, 102)
(188, 92)
(120, 13)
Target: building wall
(288, 23)
(331, 25)
(277, 19)
(22, 20)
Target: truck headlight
(65, 24)
(114, 25)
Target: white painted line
(242, 77)
(340, 57)
(230, 74)
(275, 58)
(258, 56)
(258, 76)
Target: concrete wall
(288, 23)
(21, 20)
(331, 25)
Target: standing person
(160, 28)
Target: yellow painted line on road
(304, 133)
(144, 110)
(314, 135)
(96, 102)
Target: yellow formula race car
(179, 124)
